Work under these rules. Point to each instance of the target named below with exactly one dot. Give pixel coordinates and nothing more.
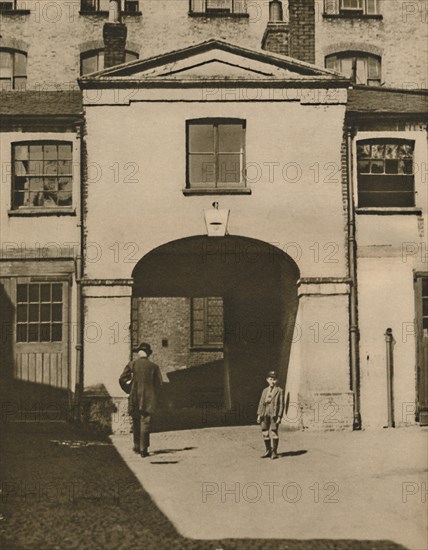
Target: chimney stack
(302, 29)
(114, 34)
(275, 39)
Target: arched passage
(257, 284)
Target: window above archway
(13, 70)
(93, 60)
(128, 7)
(351, 8)
(362, 68)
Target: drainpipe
(389, 339)
(79, 276)
(353, 296)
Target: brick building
(122, 128)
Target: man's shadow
(167, 451)
(292, 453)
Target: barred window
(42, 174)
(362, 67)
(13, 70)
(385, 173)
(207, 322)
(351, 7)
(218, 7)
(39, 312)
(93, 60)
(215, 153)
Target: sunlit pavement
(212, 484)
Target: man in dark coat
(142, 379)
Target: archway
(256, 284)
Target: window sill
(206, 348)
(15, 12)
(209, 15)
(389, 210)
(352, 16)
(30, 212)
(217, 191)
(103, 13)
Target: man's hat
(272, 374)
(144, 346)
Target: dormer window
(361, 67)
(13, 70)
(218, 7)
(351, 7)
(93, 60)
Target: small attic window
(218, 7)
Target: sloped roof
(384, 100)
(211, 60)
(36, 103)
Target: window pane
(64, 167)
(5, 85)
(391, 151)
(34, 293)
(202, 169)
(21, 152)
(391, 166)
(89, 64)
(64, 195)
(65, 152)
(405, 151)
(230, 138)
(201, 138)
(45, 292)
(130, 56)
(34, 313)
(378, 151)
(363, 150)
(45, 312)
(57, 292)
(425, 308)
(21, 312)
(22, 293)
(425, 286)
(50, 152)
(57, 312)
(56, 332)
(229, 168)
(20, 64)
(363, 167)
(20, 83)
(36, 152)
(21, 333)
(51, 167)
(45, 332)
(33, 333)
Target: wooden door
(422, 351)
(41, 371)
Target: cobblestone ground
(61, 489)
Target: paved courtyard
(63, 488)
(364, 485)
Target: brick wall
(275, 39)
(161, 319)
(302, 29)
(399, 37)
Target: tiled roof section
(379, 100)
(41, 103)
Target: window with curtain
(42, 174)
(385, 173)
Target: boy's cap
(272, 374)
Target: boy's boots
(274, 454)
(268, 449)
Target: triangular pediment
(213, 60)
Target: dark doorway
(258, 286)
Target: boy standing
(269, 414)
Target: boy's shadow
(292, 453)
